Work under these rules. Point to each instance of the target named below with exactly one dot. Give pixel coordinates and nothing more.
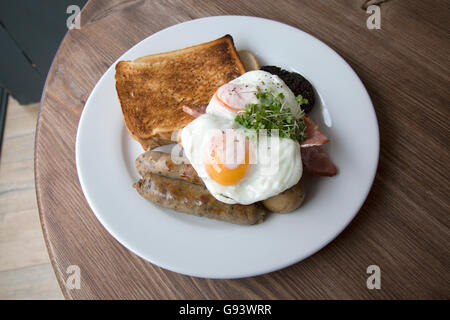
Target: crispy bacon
(313, 136)
(195, 111)
(316, 161)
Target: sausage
(287, 201)
(195, 199)
(162, 164)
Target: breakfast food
(155, 162)
(297, 83)
(160, 163)
(183, 196)
(242, 181)
(316, 161)
(249, 60)
(287, 201)
(245, 137)
(153, 89)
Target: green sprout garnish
(300, 100)
(271, 113)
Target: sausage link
(161, 163)
(195, 199)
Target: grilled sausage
(195, 199)
(161, 163)
(287, 201)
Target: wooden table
(403, 226)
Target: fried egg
(238, 165)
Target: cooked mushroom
(287, 201)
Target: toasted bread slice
(153, 89)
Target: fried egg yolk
(227, 159)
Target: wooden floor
(25, 269)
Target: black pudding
(296, 83)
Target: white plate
(201, 247)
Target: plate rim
(294, 259)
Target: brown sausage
(195, 199)
(155, 162)
(162, 164)
(158, 166)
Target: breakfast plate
(195, 246)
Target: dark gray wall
(30, 33)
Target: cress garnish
(271, 113)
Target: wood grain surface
(25, 268)
(403, 226)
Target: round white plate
(201, 247)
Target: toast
(153, 89)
